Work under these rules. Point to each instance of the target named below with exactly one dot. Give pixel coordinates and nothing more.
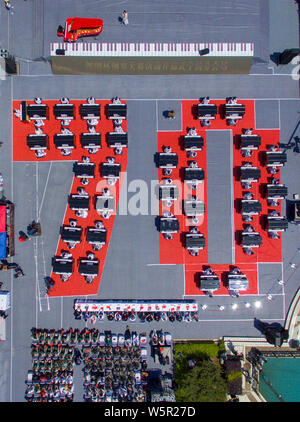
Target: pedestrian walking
(125, 17)
(9, 6)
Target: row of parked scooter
(49, 386)
(114, 365)
(115, 368)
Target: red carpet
(173, 251)
(75, 286)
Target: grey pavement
(132, 267)
(219, 145)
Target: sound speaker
(10, 65)
(60, 52)
(287, 55)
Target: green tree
(203, 383)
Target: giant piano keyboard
(151, 58)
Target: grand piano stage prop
(117, 58)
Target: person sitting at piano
(116, 100)
(232, 122)
(37, 100)
(38, 123)
(65, 122)
(66, 255)
(93, 150)
(71, 245)
(192, 131)
(73, 223)
(85, 181)
(66, 151)
(167, 150)
(205, 122)
(39, 153)
(193, 164)
(90, 100)
(208, 271)
(117, 122)
(248, 196)
(232, 100)
(82, 191)
(64, 277)
(66, 131)
(111, 160)
(18, 113)
(90, 255)
(119, 129)
(92, 122)
(118, 151)
(38, 131)
(235, 270)
(205, 100)
(86, 159)
(81, 213)
(64, 100)
(99, 224)
(249, 229)
(248, 131)
(273, 170)
(89, 279)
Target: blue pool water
(284, 376)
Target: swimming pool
(280, 377)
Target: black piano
(251, 207)
(95, 236)
(276, 158)
(168, 225)
(209, 282)
(62, 265)
(207, 111)
(193, 143)
(234, 111)
(108, 170)
(35, 142)
(116, 111)
(251, 240)
(194, 241)
(89, 111)
(90, 140)
(71, 234)
(276, 224)
(168, 192)
(167, 160)
(237, 282)
(192, 174)
(252, 142)
(88, 267)
(63, 111)
(84, 170)
(250, 174)
(116, 139)
(79, 202)
(278, 191)
(62, 141)
(33, 111)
